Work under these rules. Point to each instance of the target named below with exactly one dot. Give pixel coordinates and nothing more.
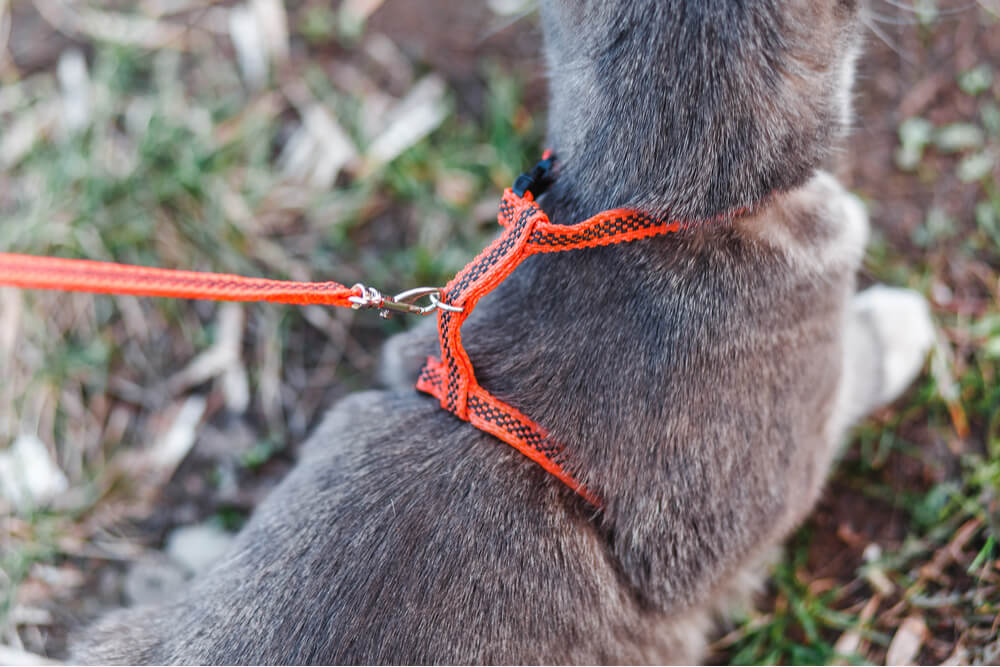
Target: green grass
(798, 629)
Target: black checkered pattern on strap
(510, 423)
(617, 225)
(473, 272)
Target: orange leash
(81, 275)
(452, 380)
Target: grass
(181, 164)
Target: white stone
(199, 546)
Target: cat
(701, 382)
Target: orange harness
(452, 380)
(527, 231)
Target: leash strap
(81, 275)
(527, 231)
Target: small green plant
(803, 624)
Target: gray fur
(697, 380)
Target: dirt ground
(912, 68)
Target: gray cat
(701, 382)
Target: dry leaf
(354, 13)
(19, 137)
(171, 449)
(251, 50)
(960, 656)
(906, 643)
(11, 309)
(849, 643)
(272, 21)
(74, 82)
(118, 28)
(333, 145)
(28, 475)
(318, 150)
(417, 115)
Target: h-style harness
(451, 379)
(527, 231)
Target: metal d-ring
(441, 305)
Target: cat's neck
(706, 111)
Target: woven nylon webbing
(81, 275)
(452, 380)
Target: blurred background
(370, 139)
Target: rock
(197, 547)
(153, 578)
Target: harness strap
(527, 231)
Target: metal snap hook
(404, 302)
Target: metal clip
(404, 302)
